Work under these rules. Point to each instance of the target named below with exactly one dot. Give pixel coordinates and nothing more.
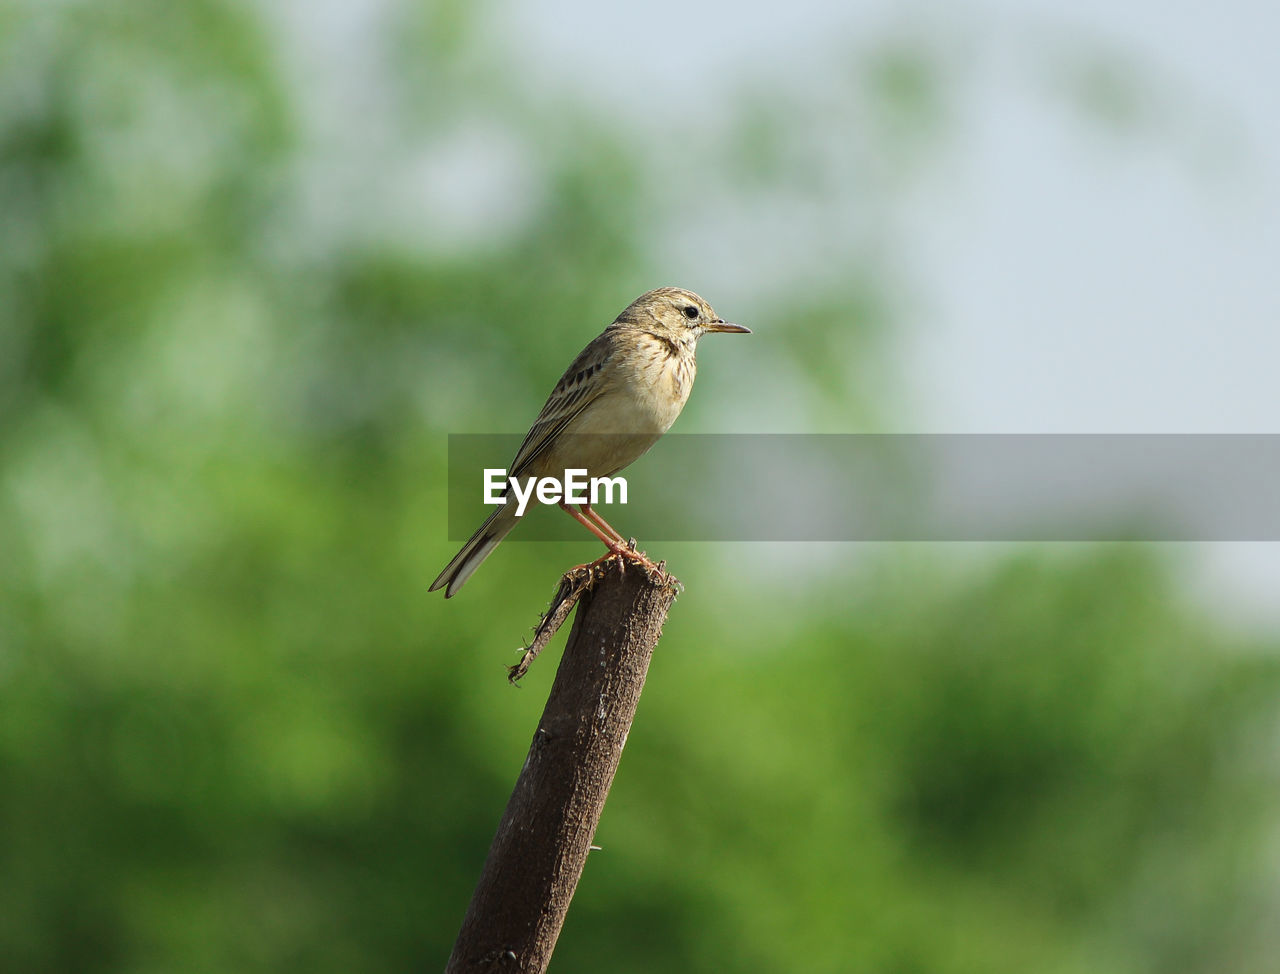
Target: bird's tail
(476, 550)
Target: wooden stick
(542, 842)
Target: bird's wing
(584, 381)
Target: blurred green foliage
(238, 735)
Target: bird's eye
(690, 312)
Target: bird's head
(678, 314)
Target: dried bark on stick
(541, 845)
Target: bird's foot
(629, 552)
(624, 553)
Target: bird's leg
(609, 542)
(617, 547)
(591, 512)
(628, 547)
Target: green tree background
(238, 735)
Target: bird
(614, 402)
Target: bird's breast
(646, 393)
(658, 376)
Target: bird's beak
(721, 325)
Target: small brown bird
(617, 398)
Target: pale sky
(1074, 283)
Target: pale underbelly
(612, 432)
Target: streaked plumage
(616, 399)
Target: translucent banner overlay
(911, 487)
